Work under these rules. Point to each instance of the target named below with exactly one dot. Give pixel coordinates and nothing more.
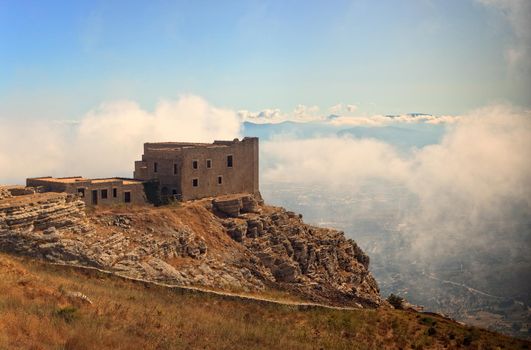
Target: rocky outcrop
(4, 193)
(234, 205)
(233, 243)
(317, 262)
(41, 211)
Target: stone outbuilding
(94, 191)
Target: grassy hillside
(38, 311)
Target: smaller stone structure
(94, 191)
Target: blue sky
(59, 59)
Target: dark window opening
(174, 169)
(103, 194)
(209, 163)
(127, 197)
(81, 192)
(220, 180)
(195, 182)
(194, 164)
(94, 197)
(229, 161)
(115, 192)
(174, 191)
(155, 167)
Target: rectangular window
(155, 167)
(81, 192)
(127, 197)
(229, 161)
(220, 180)
(209, 163)
(103, 194)
(115, 192)
(174, 169)
(194, 164)
(94, 197)
(174, 191)
(195, 182)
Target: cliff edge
(232, 243)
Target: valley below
(487, 286)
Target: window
(81, 192)
(209, 163)
(229, 161)
(155, 167)
(220, 180)
(174, 169)
(174, 191)
(94, 197)
(103, 194)
(194, 164)
(195, 182)
(127, 197)
(115, 192)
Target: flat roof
(75, 179)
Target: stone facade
(197, 170)
(94, 191)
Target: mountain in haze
(405, 136)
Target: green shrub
(68, 313)
(396, 301)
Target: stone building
(94, 191)
(196, 170)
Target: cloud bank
(106, 140)
(471, 188)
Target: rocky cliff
(234, 243)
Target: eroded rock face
(317, 262)
(229, 243)
(4, 193)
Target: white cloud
(107, 140)
(304, 113)
(270, 115)
(301, 114)
(468, 187)
(336, 109)
(518, 14)
(352, 108)
(381, 120)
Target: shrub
(396, 301)
(67, 313)
(428, 321)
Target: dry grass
(35, 313)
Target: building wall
(242, 177)
(136, 190)
(166, 162)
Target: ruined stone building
(181, 170)
(94, 191)
(196, 170)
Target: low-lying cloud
(473, 188)
(107, 140)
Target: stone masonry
(197, 170)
